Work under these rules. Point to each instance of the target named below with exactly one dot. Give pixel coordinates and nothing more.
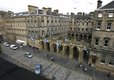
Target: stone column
(78, 37)
(40, 45)
(64, 47)
(87, 38)
(80, 58)
(51, 47)
(71, 53)
(75, 37)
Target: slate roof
(108, 6)
(82, 17)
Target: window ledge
(105, 46)
(95, 45)
(97, 29)
(110, 65)
(108, 30)
(102, 63)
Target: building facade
(103, 39)
(87, 38)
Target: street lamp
(80, 68)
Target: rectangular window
(82, 29)
(86, 29)
(92, 23)
(78, 29)
(111, 62)
(96, 41)
(103, 58)
(100, 15)
(110, 14)
(99, 25)
(106, 42)
(109, 24)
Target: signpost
(38, 69)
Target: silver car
(6, 44)
(27, 54)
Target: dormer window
(100, 15)
(110, 15)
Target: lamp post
(80, 68)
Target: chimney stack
(99, 4)
(56, 11)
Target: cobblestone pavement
(64, 69)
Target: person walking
(108, 74)
(47, 56)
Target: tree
(0, 49)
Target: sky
(64, 6)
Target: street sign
(38, 69)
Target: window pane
(106, 43)
(112, 60)
(100, 15)
(103, 58)
(110, 15)
(96, 41)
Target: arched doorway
(69, 36)
(75, 53)
(72, 36)
(76, 36)
(85, 37)
(48, 46)
(94, 59)
(43, 32)
(60, 47)
(80, 37)
(54, 47)
(85, 55)
(42, 44)
(89, 38)
(67, 51)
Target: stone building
(49, 30)
(3, 16)
(102, 51)
(83, 27)
(16, 27)
(71, 36)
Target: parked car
(27, 54)
(6, 44)
(14, 47)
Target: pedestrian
(47, 56)
(109, 74)
(85, 69)
(90, 65)
(52, 58)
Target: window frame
(99, 24)
(100, 15)
(106, 44)
(110, 16)
(97, 41)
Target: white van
(23, 43)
